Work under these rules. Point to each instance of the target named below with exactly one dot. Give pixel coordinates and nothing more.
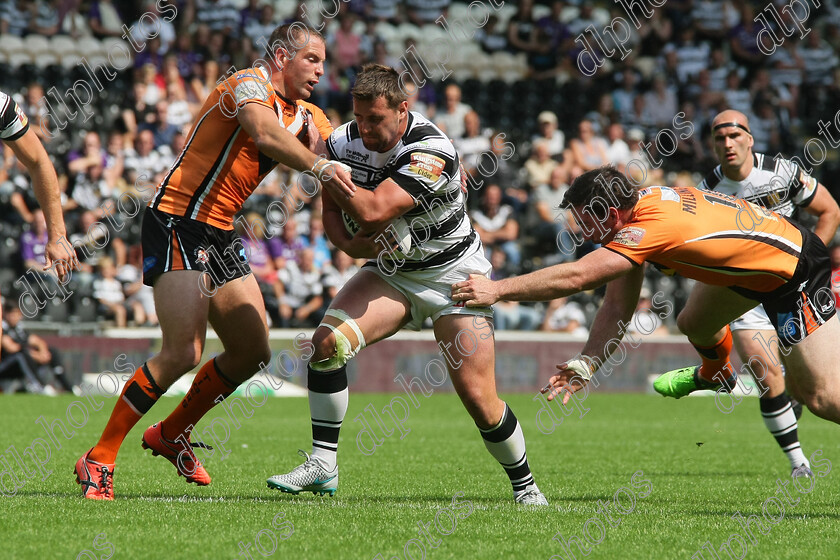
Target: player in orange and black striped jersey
(783, 187)
(740, 254)
(191, 255)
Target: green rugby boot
(681, 382)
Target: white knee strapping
(342, 326)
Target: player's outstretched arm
(279, 144)
(610, 323)
(825, 208)
(595, 269)
(31, 153)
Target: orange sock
(138, 396)
(716, 359)
(209, 384)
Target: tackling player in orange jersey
(739, 252)
(250, 122)
(783, 187)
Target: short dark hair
(377, 80)
(292, 36)
(606, 183)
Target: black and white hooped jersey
(13, 123)
(779, 185)
(425, 164)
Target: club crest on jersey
(201, 256)
(629, 236)
(426, 165)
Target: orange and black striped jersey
(220, 165)
(710, 237)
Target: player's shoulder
(251, 84)
(423, 137)
(421, 132)
(712, 180)
(655, 201)
(6, 103)
(13, 121)
(777, 166)
(345, 135)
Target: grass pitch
(698, 468)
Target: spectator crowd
(522, 141)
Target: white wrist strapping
(584, 366)
(322, 167)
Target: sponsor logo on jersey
(353, 155)
(426, 165)
(250, 89)
(629, 236)
(21, 115)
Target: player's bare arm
(610, 322)
(31, 153)
(359, 246)
(374, 209)
(593, 270)
(828, 214)
(279, 144)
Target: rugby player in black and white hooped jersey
(405, 167)
(16, 133)
(782, 186)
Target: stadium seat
(405, 30)
(97, 60)
(56, 311)
(89, 46)
(44, 59)
(286, 8)
(70, 60)
(60, 44)
(36, 44)
(541, 11)
(461, 71)
(7, 278)
(11, 44)
(18, 59)
(486, 74)
(114, 43)
(84, 309)
(457, 11)
(386, 31)
(431, 32)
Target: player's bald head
(731, 117)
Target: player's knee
(684, 324)
(181, 359)
(818, 402)
(692, 326)
(257, 358)
(337, 340)
(324, 342)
